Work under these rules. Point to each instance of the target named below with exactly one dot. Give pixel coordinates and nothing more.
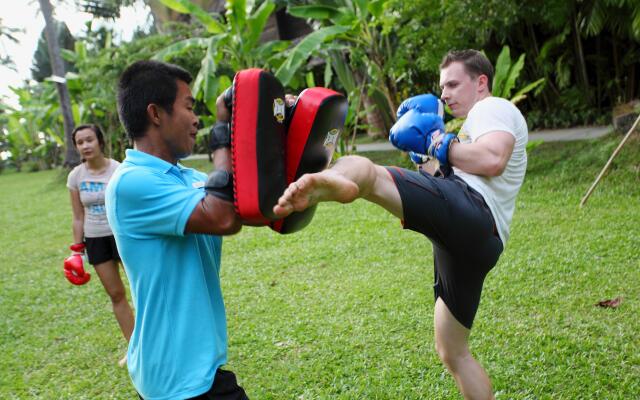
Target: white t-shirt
(92, 188)
(489, 115)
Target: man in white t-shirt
(465, 209)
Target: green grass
(343, 309)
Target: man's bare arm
(214, 215)
(488, 156)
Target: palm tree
(71, 158)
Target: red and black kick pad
(257, 144)
(313, 129)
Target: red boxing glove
(74, 266)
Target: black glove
(220, 136)
(220, 185)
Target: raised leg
(350, 178)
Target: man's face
(179, 129)
(459, 90)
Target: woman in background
(91, 232)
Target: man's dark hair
(144, 83)
(95, 128)
(475, 63)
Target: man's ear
(483, 82)
(153, 113)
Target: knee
(450, 355)
(117, 295)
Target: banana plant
(506, 75)
(33, 132)
(354, 39)
(232, 43)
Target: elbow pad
(220, 185)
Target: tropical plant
(8, 34)
(507, 73)
(231, 43)
(361, 45)
(41, 65)
(33, 134)
(93, 87)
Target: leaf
(310, 80)
(549, 45)
(314, 12)
(80, 50)
(68, 55)
(256, 23)
(376, 7)
(503, 64)
(328, 74)
(522, 93)
(187, 7)
(610, 303)
(514, 73)
(176, 5)
(304, 49)
(362, 11)
(237, 15)
(180, 46)
(344, 73)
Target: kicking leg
(350, 178)
(452, 345)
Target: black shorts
(225, 387)
(101, 249)
(461, 228)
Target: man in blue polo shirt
(167, 228)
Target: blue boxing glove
(417, 158)
(439, 146)
(412, 132)
(425, 103)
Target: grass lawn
(344, 309)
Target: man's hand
(439, 146)
(220, 135)
(223, 105)
(412, 132)
(425, 103)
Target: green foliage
(231, 43)
(33, 134)
(356, 39)
(41, 68)
(7, 33)
(108, 9)
(93, 88)
(344, 308)
(506, 75)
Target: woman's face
(87, 144)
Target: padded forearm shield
(257, 144)
(316, 121)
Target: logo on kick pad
(332, 137)
(278, 109)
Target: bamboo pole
(615, 153)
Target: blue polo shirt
(180, 334)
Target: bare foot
(311, 189)
(123, 361)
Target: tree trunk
(375, 122)
(72, 158)
(582, 66)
